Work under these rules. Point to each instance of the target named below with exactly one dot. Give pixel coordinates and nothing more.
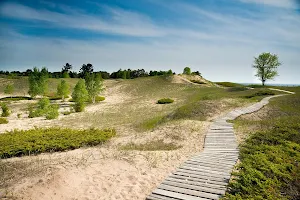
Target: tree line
(88, 68)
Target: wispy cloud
(119, 21)
(276, 3)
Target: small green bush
(5, 110)
(3, 120)
(165, 101)
(99, 98)
(35, 141)
(43, 103)
(79, 106)
(52, 112)
(19, 115)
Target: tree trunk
(93, 99)
(263, 82)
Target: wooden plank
(199, 180)
(189, 192)
(203, 172)
(212, 164)
(193, 187)
(159, 197)
(203, 168)
(176, 195)
(202, 176)
(220, 188)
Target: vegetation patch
(259, 93)
(165, 101)
(198, 82)
(237, 89)
(228, 84)
(15, 98)
(151, 123)
(35, 141)
(5, 110)
(44, 108)
(156, 145)
(269, 167)
(3, 120)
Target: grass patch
(15, 98)
(198, 82)
(156, 145)
(259, 93)
(228, 84)
(35, 141)
(165, 101)
(236, 89)
(151, 123)
(3, 120)
(269, 167)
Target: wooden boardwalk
(205, 176)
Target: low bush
(52, 112)
(35, 141)
(44, 108)
(165, 101)
(99, 98)
(256, 86)
(5, 110)
(260, 93)
(198, 82)
(79, 106)
(156, 145)
(3, 120)
(16, 98)
(236, 89)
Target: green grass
(270, 157)
(155, 145)
(3, 120)
(15, 98)
(229, 84)
(165, 101)
(198, 82)
(259, 93)
(35, 141)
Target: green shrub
(236, 89)
(19, 115)
(35, 141)
(99, 98)
(256, 86)
(79, 106)
(198, 82)
(165, 101)
(16, 98)
(52, 112)
(3, 120)
(43, 103)
(260, 93)
(5, 110)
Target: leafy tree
(86, 69)
(266, 66)
(196, 73)
(80, 95)
(38, 82)
(63, 89)
(94, 85)
(187, 71)
(9, 89)
(67, 68)
(170, 72)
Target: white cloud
(276, 3)
(120, 21)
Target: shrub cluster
(260, 93)
(236, 89)
(3, 120)
(165, 101)
(26, 142)
(5, 110)
(44, 108)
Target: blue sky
(219, 38)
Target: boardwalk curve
(206, 175)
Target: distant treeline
(67, 72)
